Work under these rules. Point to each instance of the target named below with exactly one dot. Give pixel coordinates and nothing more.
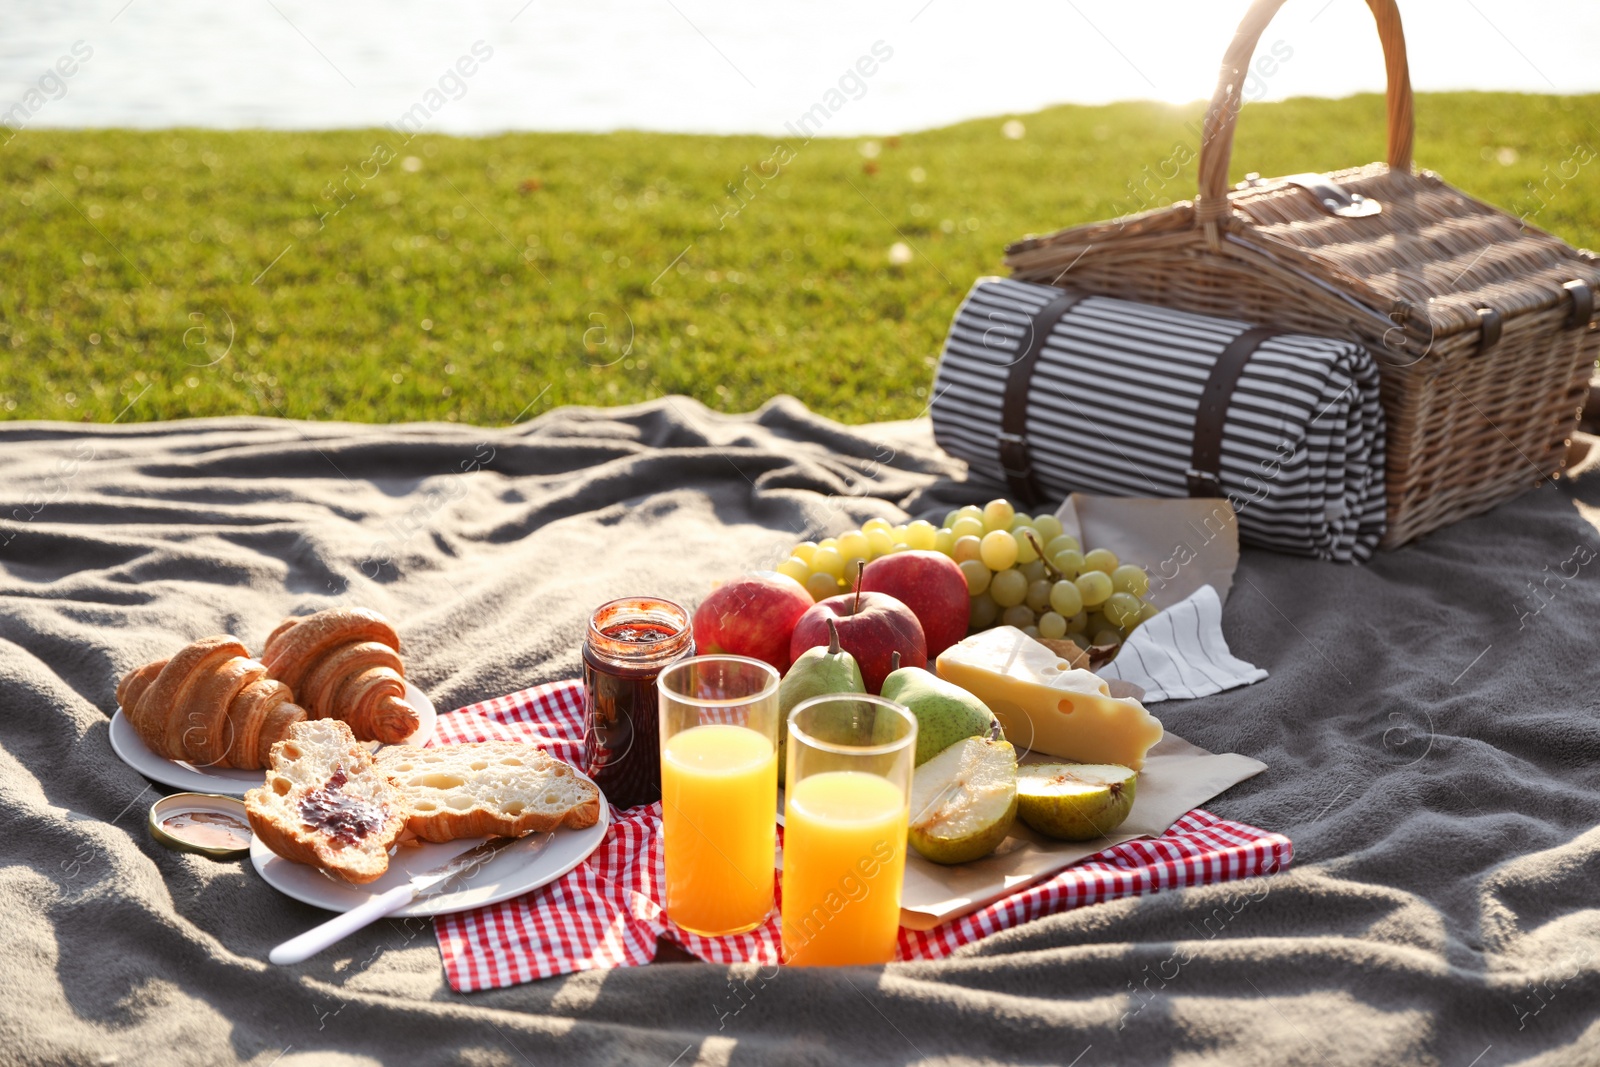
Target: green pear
(946, 713)
(963, 801)
(819, 671)
(1075, 801)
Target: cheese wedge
(1044, 705)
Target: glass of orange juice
(719, 791)
(847, 795)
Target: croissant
(344, 663)
(210, 704)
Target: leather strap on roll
(1205, 462)
(1015, 457)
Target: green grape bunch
(1022, 570)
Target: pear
(819, 671)
(945, 712)
(964, 800)
(1075, 801)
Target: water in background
(723, 66)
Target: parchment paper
(1182, 543)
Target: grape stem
(1049, 568)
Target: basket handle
(1216, 147)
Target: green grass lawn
(187, 272)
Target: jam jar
(628, 643)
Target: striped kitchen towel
(1181, 653)
(1104, 396)
(608, 912)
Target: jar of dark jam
(628, 643)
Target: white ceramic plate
(127, 744)
(518, 869)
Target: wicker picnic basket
(1484, 326)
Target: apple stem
(833, 637)
(861, 571)
(894, 662)
(1049, 568)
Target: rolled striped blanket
(1051, 393)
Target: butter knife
(429, 883)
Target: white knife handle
(339, 927)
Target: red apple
(872, 627)
(932, 586)
(751, 616)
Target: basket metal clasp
(1334, 198)
(1203, 483)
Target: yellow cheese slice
(1045, 705)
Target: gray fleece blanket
(1430, 724)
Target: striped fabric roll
(1111, 409)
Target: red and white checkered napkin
(608, 911)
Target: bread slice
(488, 788)
(325, 804)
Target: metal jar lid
(211, 815)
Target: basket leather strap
(1015, 458)
(1582, 304)
(1205, 462)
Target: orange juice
(719, 787)
(844, 857)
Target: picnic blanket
(1430, 725)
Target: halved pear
(1075, 801)
(964, 800)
